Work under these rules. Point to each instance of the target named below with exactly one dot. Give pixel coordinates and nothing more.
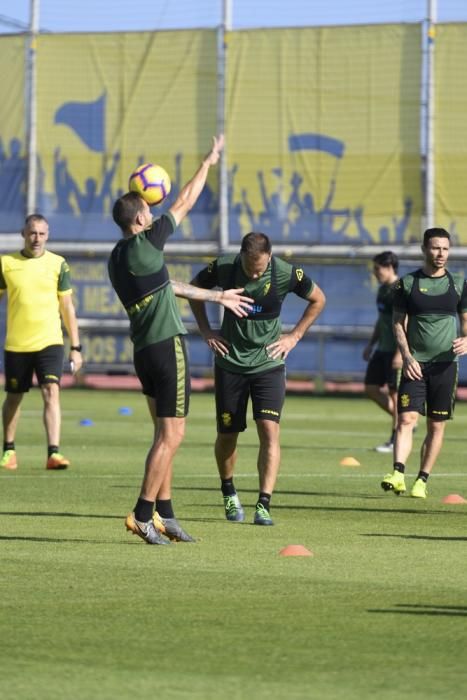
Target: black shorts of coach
(380, 371)
(267, 392)
(164, 373)
(434, 395)
(20, 367)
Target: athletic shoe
(171, 528)
(146, 531)
(233, 509)
(57, 461)
(385, 447)
(262, 516)
(8, 460)
(394, 482)
(419, 489)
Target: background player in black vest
(250, 359)
(426, 305)
(381, 353)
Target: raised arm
(191, 191)
(286, 343)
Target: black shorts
(434, 395)
(164, 373)
(267, 391)
(46, 364)
(380, 371)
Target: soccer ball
(151, 182)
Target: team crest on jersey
(299, 273)
(405, 400)
(227, 419)
(266, 288)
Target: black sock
(144, 510)
(164, 508)
(399, 467)
(423, 475)
(228, 488)
(264, 499)
(52, 449)
(393, 437)
(8, 446)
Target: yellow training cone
(349, 462)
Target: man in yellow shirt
(37, 283)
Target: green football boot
(394, 482)
(419, 489)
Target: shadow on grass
(437, 610)
(62, 515)
(285, 448)
(279, 492)
(434, 538)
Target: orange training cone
(295, 550)
(453, 499)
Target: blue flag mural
(87, 120)
(316, 142)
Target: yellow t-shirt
(33, 286)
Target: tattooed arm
(230, 298)
(410, 366)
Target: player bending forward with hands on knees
(426, 303)
(140, 278)
(250, 355)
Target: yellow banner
(323, 133)
(450, 51)
(13, 162)
(108, 102)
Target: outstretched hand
(214, 154)
(239, 305)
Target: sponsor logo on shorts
(266, 288)
(14, 383)
(441, 413)
(269, 411)
(299, 273)
(405, 400)
(227, 419)
(51, 376)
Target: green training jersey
(431, 305)
(384, 303)
(248, 337)
(140, 278)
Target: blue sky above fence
(119, 15)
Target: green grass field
(91, 612)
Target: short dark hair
(126, 208)
(387, 259)
(435, 233)
(34, 217)
(255, 244)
